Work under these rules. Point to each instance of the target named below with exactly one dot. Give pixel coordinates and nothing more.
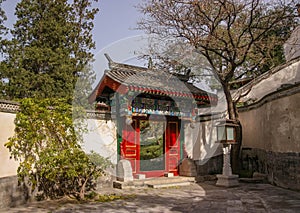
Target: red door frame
(130, 146)
(172, 141)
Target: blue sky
(113, 32)
(115, 20)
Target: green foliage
(100, 162)
(108, 197)
(50, 49)
(151, 138)
(3, 29)
(151, 151)
(112, 197)
(152, 154)
(3, 32)
(47, 144)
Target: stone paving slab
(168, 185)
(202, 197)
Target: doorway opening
(152, 145)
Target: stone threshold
(157, 182)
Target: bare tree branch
(236, 37)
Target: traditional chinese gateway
(151, 108)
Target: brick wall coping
(13, 107)
(9, 106)
(281, 92)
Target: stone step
(158, 182)
(166, 185)
(166, 180)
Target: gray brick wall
(11, 194)
(282, 169)
(212, 166)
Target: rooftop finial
(110, 61)
(108, 57)
(150, 63)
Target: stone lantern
(226, 134)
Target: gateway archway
(151, 108)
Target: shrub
(47, 144)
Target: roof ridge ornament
(111, 63)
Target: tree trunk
(82, 190)
(233, 115)
(231, 108)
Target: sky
(113, 32)
(116, 20)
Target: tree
(236, 37)
(3, 29)
(49, 51)
(47, 145)
(179, 57)
(50, 47)
(3, 32)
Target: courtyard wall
(201, 147)
(11, 193)
(101, 131)
(271, 136)
(7, 115)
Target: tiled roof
(152, 79)
(140, 79)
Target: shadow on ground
(202, 197)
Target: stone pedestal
(187, 168)
(124, 171)
(227, 179)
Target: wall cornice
(14, 107)
(284, 91)
(9, 106)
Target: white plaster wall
(200, 141)
(8, 166)
(275, 126)
(101, 138)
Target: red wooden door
(172, 147)
(130, 145)
(130, 148)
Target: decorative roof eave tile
(204, 98)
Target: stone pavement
(201, 197)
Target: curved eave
(203, 98)
(107, 81)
